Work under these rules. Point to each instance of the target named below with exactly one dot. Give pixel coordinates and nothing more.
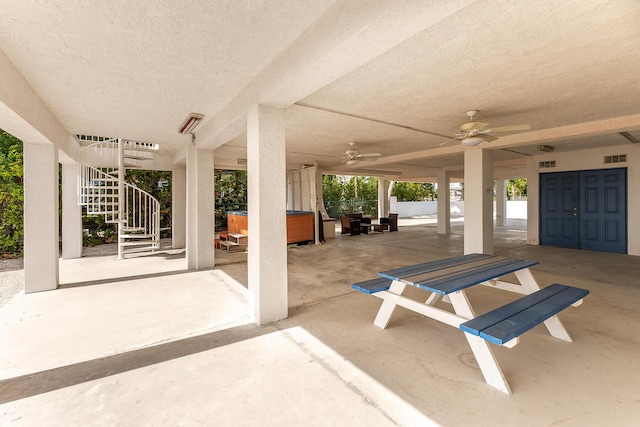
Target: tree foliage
(517, 189)
(350, 194)
(414, 191)
(231, 193)
(11, 195)
(158, 184)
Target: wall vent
(618, 158)
(547, 164)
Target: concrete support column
(478, 201)
(444, 203)
(200, 225)
(41, 222)
(383, 198)
(179, 207)
(501, 202)
(533, 204)
(71, 213)
(267, 198)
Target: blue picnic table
(449, 278)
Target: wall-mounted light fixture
(545, 148)
(190, 123)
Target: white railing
(136, 212)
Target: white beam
(333, 46)
(25, 116)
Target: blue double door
(584, 209)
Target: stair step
(135, 157)
(125, 228)
(136, 243)
(137, 236)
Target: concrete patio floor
(144, 342)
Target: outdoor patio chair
(350, 225)
(393, 222)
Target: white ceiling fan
(473, 133)
(352, 156)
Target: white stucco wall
(588, 160)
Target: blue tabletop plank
(457, 272)
(431, 266)
(474, 276)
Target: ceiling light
(190, 123)
(352, 162)
(546, 148)
(472, 141)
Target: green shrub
(11, 196)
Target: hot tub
(299, 225)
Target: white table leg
(433, 298)
(553, 324)
(387, 307)
(482, 352)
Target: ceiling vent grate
(547, 164)
(618, 158)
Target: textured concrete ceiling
(135, 69)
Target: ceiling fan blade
(510, 128)
(487, 138)
(450, 140)
(366, 155)
(473, 125)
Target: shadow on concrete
(66, 376)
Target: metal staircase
(104, 191)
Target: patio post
(41, 238)
(444, 202)
(478, 201)
(71, 213)
(267, 199)
(501, 202)
(178, 207)
(200, 216)
(383, 199)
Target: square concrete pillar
(383, 198)
(71, 213)
(41, 240)
(444, 203)
(501, 202)
(478, 201)
(179, 207)
(200, 228)
(267, 201)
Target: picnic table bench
(450, 277)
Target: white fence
(516, 209)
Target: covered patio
(167, 346)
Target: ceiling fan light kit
(472, 141)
